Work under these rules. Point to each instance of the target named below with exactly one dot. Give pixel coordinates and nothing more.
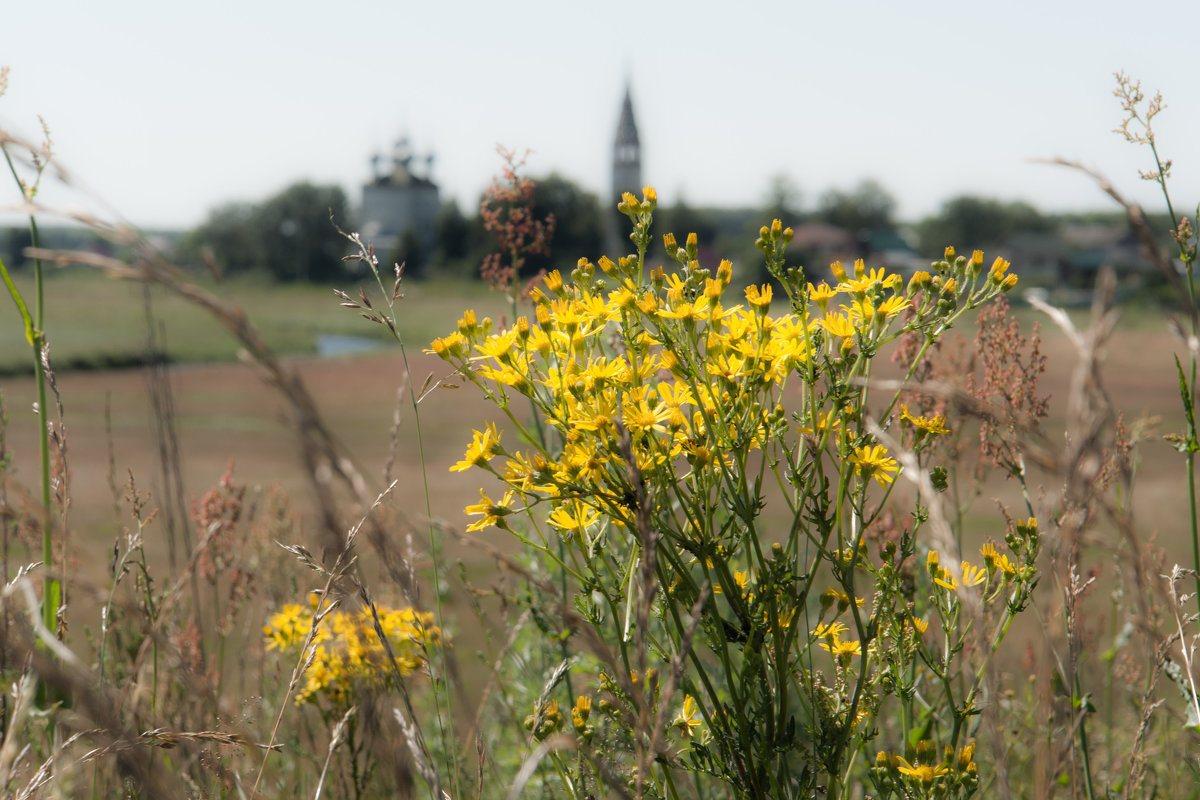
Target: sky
(165, 110)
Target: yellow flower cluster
(346, 649)
(664, 363)
(829, 637)
(956, 770)
(998, 569)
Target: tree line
(292, 235)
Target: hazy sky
(167, 109)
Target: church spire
(627, 151)
(626, 174)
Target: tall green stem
(34, 327)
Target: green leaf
(21, 307)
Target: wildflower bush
(344, 653)
(700, 477)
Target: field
(227, 415)
(225, 412)
(94, 322)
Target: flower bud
(670, 245)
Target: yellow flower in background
(923, 773)
(930, 425)
(843, 648)
(346, 649)
(973, 576)
(581, 711)
(830, 419)
(288, 628)
(993, 559)
(874, 462)
(688, 718)
(545, 719)
(829, 631)
(944, 579)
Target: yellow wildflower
(483, 448)
(688, 720)
(874, 462)
(837, 324)
(640, 418)
(925, 425)
(924, 773)
(843, 648)
(944, 579)
(759, 298)
(581, 711)
(831, 632)
(448, 347)
(574, 520)
(973, 576)
(994, 559)
(493, 512)
(288, 627)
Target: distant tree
(290, 235)
(411, 254)
(578, 226)
(969, 223)
(299, 239)
(17, 239)
(868, 206)
(230, 234)
(783, 200)
(452, 234)
(682, 219)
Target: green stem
(444, 716)
(34, 325)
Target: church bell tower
(626, 175)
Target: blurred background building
(400, 203)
